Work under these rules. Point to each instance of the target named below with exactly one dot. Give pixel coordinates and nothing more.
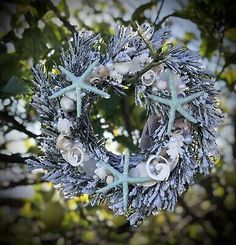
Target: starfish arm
(62, 92)
(191, 97)
(110, 186)
(69, 75)
(125, 195)
(78, 101)
(94, 90)
(139, 180)
(89, 70)
(159, 99)
(186, 114)
(171, 119)
(126, 163)
(112, 170)
(172, 85)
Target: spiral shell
(63, 143)
(95, 80)
(75, 156)
(148, 78)
(158, 168)
(176, 131)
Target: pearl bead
(188, 139)
(109, 179)
(67, 104)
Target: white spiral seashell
(95, 80)
(75, 156)
(148, 78)
(63, 143)
(158, 168)
(67, 104)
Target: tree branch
(14, 158)
(159, 11)
(145, 69)
(22, 182)
(65, 22)
(126, 115)
(5, 117)
(158, 25)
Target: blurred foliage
(32, 212)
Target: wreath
(177, 141)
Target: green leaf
(16, 86)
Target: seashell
(156, 169)
(181, 123)
(140, 171)
(176, 131)
(67, 104)
(63, 143)
(72, 95)
(75, 156)
(103, 72)
(109, 179)
(122, 67)
(95, 80)
(148, 78)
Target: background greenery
(31, 211)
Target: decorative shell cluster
(177, 141)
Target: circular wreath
(177, 142)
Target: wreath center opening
(119, 121)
